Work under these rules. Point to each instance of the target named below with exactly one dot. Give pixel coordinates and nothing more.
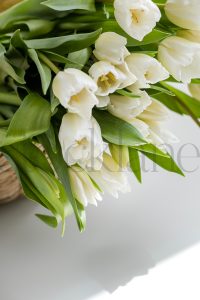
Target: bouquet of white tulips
(85, 90)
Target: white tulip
(127, 108)
(111, 47)
(184, 13)
(81, 141)
(141, 126)
(107, 77)
(191, 35)
(181, 58)
(130, 78)
(136, 17)
(75, 90)
(195, 90)
(156, 111)
(150, 125)
(147, 69)
(83, 188)
(110, 178)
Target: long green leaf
(44, 71)
(65, 44)
(165, 162)
(61, 169)
(117, 131)
(31, 119)
(63, 5)
(189, 102)
(135, 163)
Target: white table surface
(144, 245)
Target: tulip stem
(48, 62)
(9, 99)
(160, 5)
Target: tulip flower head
(147, 69)
(137, 17)
(83, 188)
(180, 57)
(107, 77)
(184, 13)
(111, 47)
(81, 141)
(76, 91)
(110, 178)
(127, 108)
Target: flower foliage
(85, 90)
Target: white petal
(147, 69)
(107, 77)
(181, 58)
(184, 13)
(111, 47)
(137, 18)
(128, 108)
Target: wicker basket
(10, 188)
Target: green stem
(9, 99)
(48, 62)
(160, 5)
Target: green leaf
(117, 131)
(63, 5)
(48, 220)
(65, 44)
(33, 28)
(31, 119)
(61, 169)
(169, 101)
(43, 182)
(5, 66)
(36, 157)
(151, 149)
(27, 9)
(189, 102)
(135, 163)
(44, 70)
(62, 59)
(161, 89)
(165, 162)
(127, 94)
(80, 57)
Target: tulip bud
(127, 108)
(111, 47)
(120, 154)
(180, 57)
(83, 188)
(110, 178)
(81, 141)
(75, 90)
(184, 13)
(147, 69)
(136, 18)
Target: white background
(144, 245)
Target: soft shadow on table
(125, 238)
